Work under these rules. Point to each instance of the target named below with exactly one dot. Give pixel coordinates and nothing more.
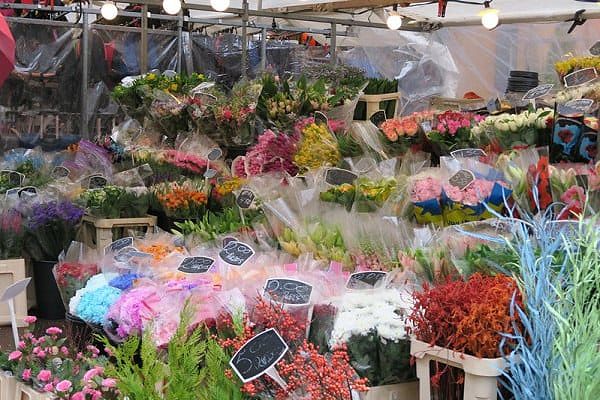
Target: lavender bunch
(51, 227)
(11, 234)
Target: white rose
(513, 126)
(520, 120)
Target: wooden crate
(446, 103)
(8, 386)
(400, 391)
(12, 271)
(373, 101)
(481, 374)
(26, 392)
(103, 228)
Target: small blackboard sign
(210, 173)
(338, 176)
(236, 253)
(581, 105)
(119, 244)
(245, 198)
(14, 178)
(288, 291)
(258, 355)
(214, 154)
(60, 172)
(12, 192)
(97, 182)
(595, 49)
(321, 118)
(462, 179)
(378, 118)
(580, 77)
(366, 280)
(426, 126)
(196, 265)
(28, 191)
(468, 153)
(539, 91)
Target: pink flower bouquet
(425, 195)
(403, 134)
(452, 131)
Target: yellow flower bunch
(567, 66)
(317, 148)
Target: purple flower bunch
(45, 213)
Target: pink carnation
(63, 386)
(91, 374)
(30, 319)
(109, 383)
(44, 375)
(48, 387)
(475, 193)
(53, 330)
(15, 355)
(78, 396)
(426, 189)
(26, 375)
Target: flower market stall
(352, 229)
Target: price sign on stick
(580, 105)
(97, 182)
(60, 172)
(462, 179)
(580, 77)
(468, 153)
(196, 265)
(378, 118)
(214, 154)
(28, 191)
(595, 49)
(288, 291)
(8, 296)
(119, 245)
(539, 91)
(236, 253)
(14, 178)
(245, 198)
(366, 280)
(338, 176)
(259, 355)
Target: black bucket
(79, 333)
(49, 302)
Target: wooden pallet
(104, 228)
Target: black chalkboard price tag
(580, 105)
(366, 280)
(60, 172)
(97, 182)
(258, 355)
(538, 91)
(462, 179)
(196, 265)
(288, 291)
(125, 254)
(580, 77)
(595, 49)
(28, 191)
(214, 154)
(119, 244)
(14, 178)
(236, 253)
(245, 198)
(378, 118)
(468, 153)
(338, 176)
(494, 105)
(321, 119)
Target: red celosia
(469, 317)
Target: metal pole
(13, 322)
(263, 49)
(144, 41)
(245, 40)
(333, 44)
(85, 63)
(180, 41)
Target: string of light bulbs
(109, 10)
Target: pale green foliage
(576, 375)
(215, 384)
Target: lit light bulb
(219, 5)
(489, 18)
(394, 20)
(109, 11)
(172, 6)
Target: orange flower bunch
(160, 251)
(185, 200)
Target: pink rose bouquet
(452, 130)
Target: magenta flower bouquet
(452, 130)
(11, 234)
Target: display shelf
(12, 271)
(103, 228)
(480, 373)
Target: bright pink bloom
(41, 354)
(26, 375)
(30, 319)
(64, 350)
(15, 355)
(78, 396)
(91, 374)
(109, 383)
(44, 375)
(48, 387)
(63, 386)
(21, 345)
(53, 330)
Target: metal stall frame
(244, 13)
